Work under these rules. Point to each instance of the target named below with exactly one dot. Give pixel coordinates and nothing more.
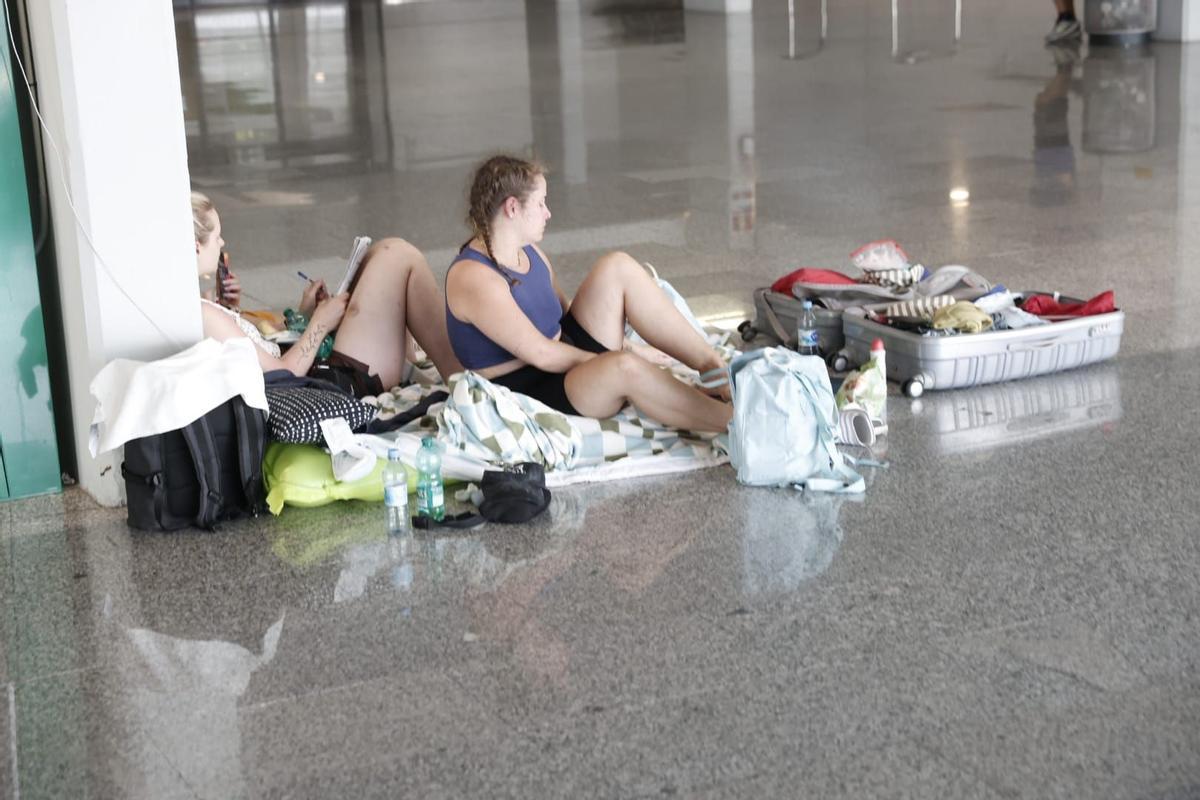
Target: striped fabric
(921, 307)
(895, 277)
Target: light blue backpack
(783, 423)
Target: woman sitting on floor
(509, 321)
(394, 293)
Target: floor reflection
(924, 29)
(182, 692)
(777, 559)
(274, 87)
(1020, 412)
(1053, 154)
(1119, 100)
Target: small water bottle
(430, 497)
(807, 341)
(879, 356)
(395, 493)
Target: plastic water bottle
(879, 356)
(807, 341)
(430, 497)
(395, 493)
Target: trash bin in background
(1120, 22)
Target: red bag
(811, 275)
(1046, 306)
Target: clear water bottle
(431, 501)
(395, 493)
(807, 341)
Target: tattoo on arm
(313, 336)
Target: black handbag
(208, 471)
(515, 494)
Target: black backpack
(206, 472)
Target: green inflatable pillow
(302, 475)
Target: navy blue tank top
(533, 292)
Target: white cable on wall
(62, 173)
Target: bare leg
(395, 292)
(601, 386)
(1064, 6)
(619, 288)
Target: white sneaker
(1064, 30)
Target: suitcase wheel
(747, 331)
(913, 387)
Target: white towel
(140, 398)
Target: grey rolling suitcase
(775, 315)
(919, 363)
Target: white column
(570, 61)
(1178, 21)
(743, 174)
(108, 86)
(1187, 277)
(718, 6)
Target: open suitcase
(775, 315)
(919, 363)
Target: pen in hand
(321, 292)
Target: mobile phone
(222, 276)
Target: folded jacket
(963, 316)
(1046, 306)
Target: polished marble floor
(1012, 610)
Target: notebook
(361, 244)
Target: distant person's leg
(618, 290)
(396, 293)
(1066, 27)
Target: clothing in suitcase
(920, 363)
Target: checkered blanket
(490, 422)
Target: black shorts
(349, 373)
(550, 387)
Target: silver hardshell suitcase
(775, 315)
(919, 363)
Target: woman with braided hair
(509, 320)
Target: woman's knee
(394, 253)
(624, 366)
(389, 263)
(600, 386)
(617, 262)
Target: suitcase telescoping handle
(780, 332)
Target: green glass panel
(30, 454)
